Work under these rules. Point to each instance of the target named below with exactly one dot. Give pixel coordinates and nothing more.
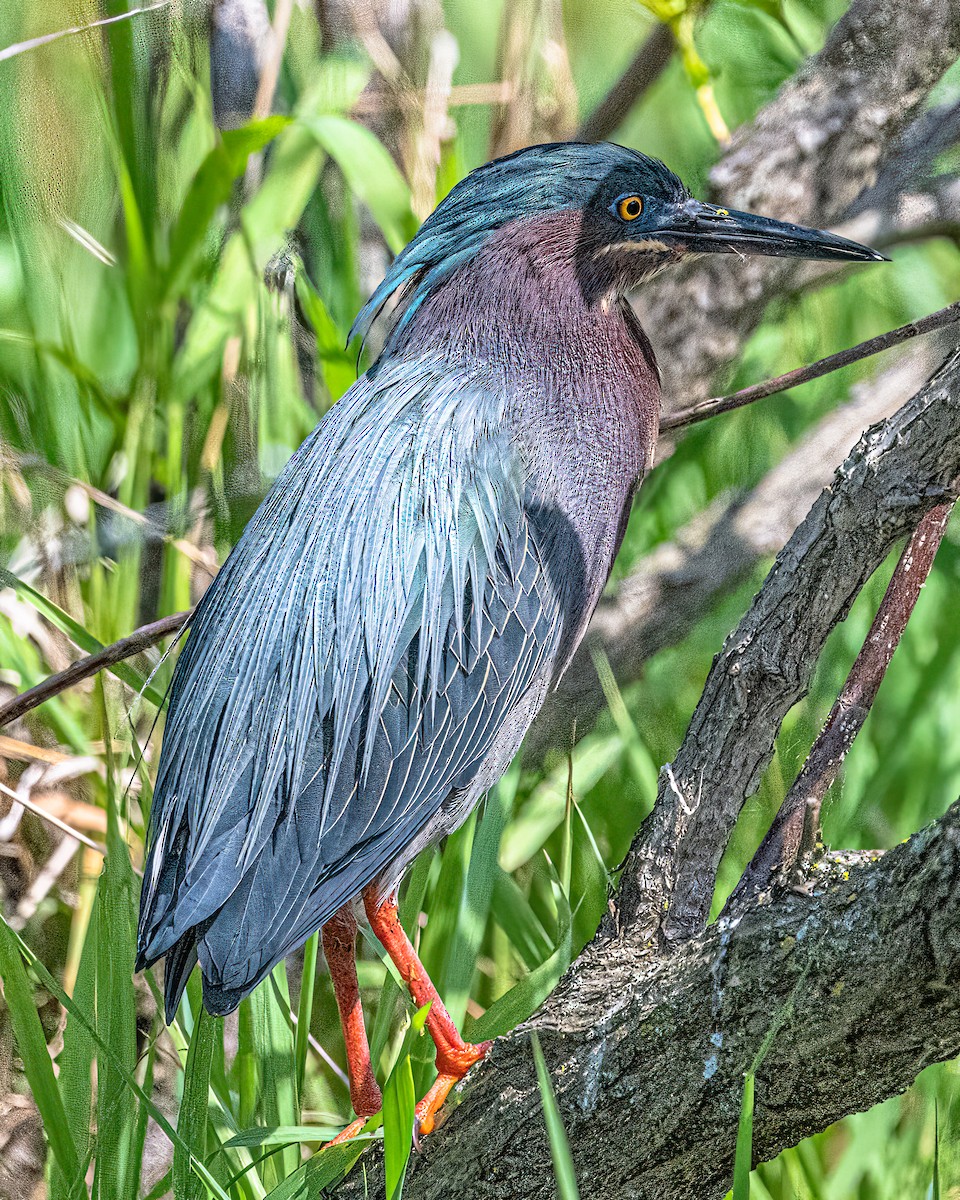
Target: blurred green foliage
(152, 384)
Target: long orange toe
(452, 1063)
(348, 1134)
(457, 1060)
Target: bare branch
(858, 983)
(806, 157)
(645, 69)
(135, 643)
(824, 366)
(897, 473)
(796, 826)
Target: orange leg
(339, 937)
(454, 1056)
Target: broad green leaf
(399, 1106)
(371, 174)
(270, 1007)
(544, 810)
(743, 1160)
(76, 1061)
(526, 996)
(512, 911)
(286, 1135)
(211, 188)
(339, 368)
(117, 900)
(106, 1052)
(305, 1008)
(309, 1181)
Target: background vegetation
(175, 288)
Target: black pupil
(633, 208)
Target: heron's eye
(629, 208)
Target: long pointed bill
(704, 228)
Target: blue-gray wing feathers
(348, 671)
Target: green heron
(367, 662)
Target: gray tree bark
(846, 122)
(838, 997)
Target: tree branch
(135, 643)
(645, 69)
(859, 982)
(806, 157)
(898, 472)
(796, 827)
(683, 417)
(863, 971)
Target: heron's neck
(531, 300)
(564, 363)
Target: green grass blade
(526, 996)
(309, 1181)
(38, 1066)
(192, 1118)
(305, 1008)
(287, 1135)
(245, 1064)
(76, 1063)
(270, 1005)
(143, 1116)
(117, 899)
(513, 913)
(339, 368)
(108, 1054)
(371, 174)
(743, 1160)
(559, 1146)
(211, 188)
(399, 1106)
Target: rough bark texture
(857, 985)
(838, 997)
(898, 471)
(807, 157)
(851, 990)
(812, 155)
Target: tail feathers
(180, 960)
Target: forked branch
(796, 826)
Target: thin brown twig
(464, 95)
(141, 639)
(796, 826)
(833, 362)
(263, 102)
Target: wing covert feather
(349, 669)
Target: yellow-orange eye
(629, 208)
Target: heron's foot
(453, 1063)
(348, 1134)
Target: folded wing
(385, 613)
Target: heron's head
(628, 215)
